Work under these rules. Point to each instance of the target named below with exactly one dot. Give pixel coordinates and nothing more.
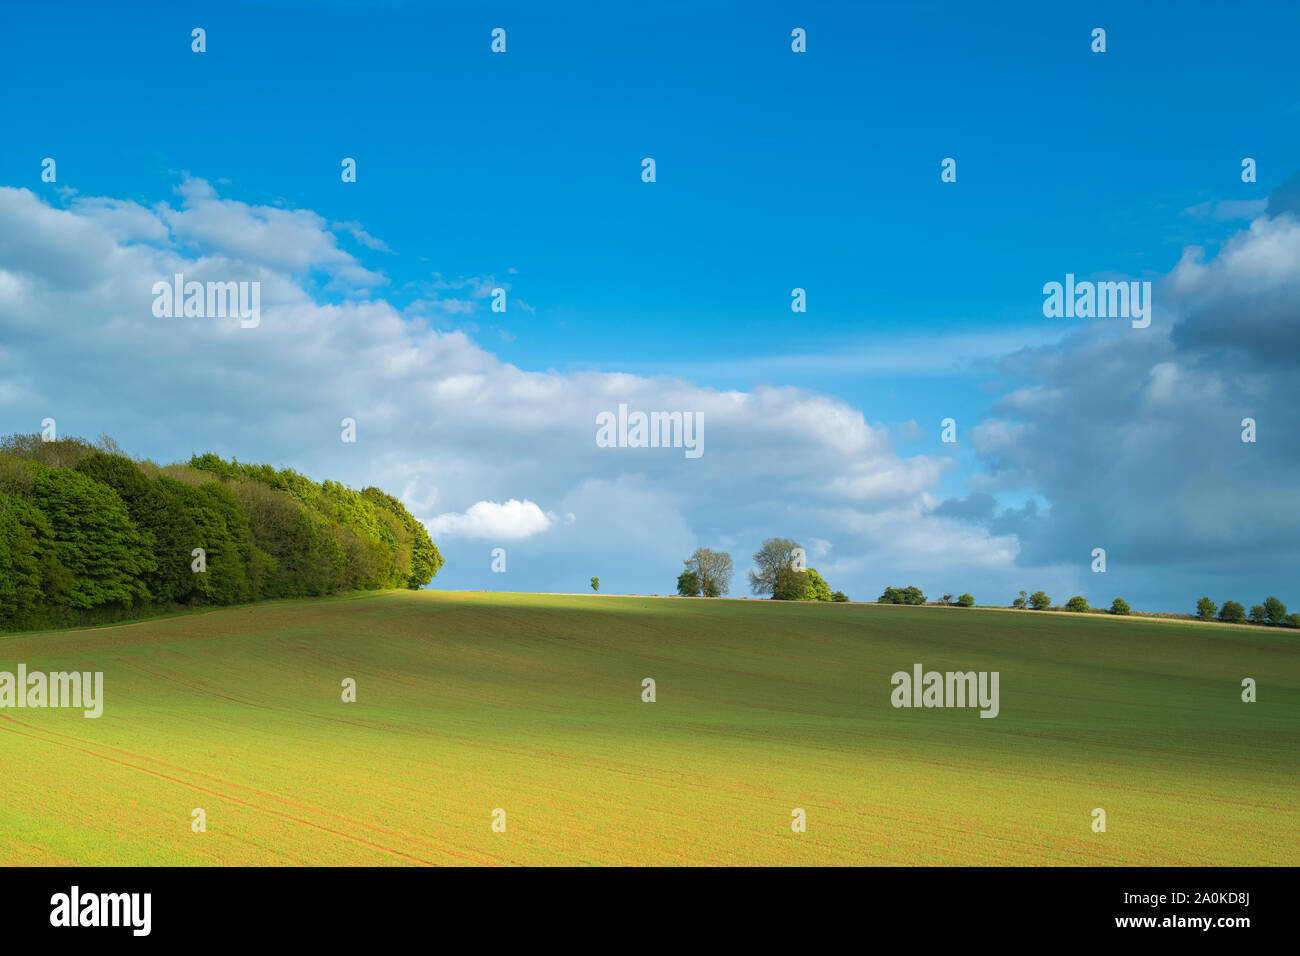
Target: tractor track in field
(190, 683)
(202, 688)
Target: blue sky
(775, 170)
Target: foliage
(1274, 610)
(792, 585)
(777, 554)
(818, 589)
(908, 595)
(88, 534)
(714, 570)
(1232, 613)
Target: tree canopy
(713, 570)
(775, 554)
(88, 534)
(908, 595)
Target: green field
(532, 704)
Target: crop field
(531, 705)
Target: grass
(468, 702)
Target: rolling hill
(467, 703)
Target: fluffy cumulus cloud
(486, 453)
(493, 521)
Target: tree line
(1039, 601)
(779, 574)
(1271, 613)
(88, 534)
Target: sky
(775, 170)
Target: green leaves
(908, 595)
(92, 536)
(712, 569)
(86, 533)
(805, 585)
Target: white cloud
(294, 241)
(494, 521)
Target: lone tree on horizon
(713, 570)
(771, 558)
(595, 584)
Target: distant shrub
(818, 589)
(1292, 620)
(1119, 606)
(1258, 614)
(1078, 604)
(1232, 613)
(805, 585)
(1039, 601)
(908, 595)
(965, 601)
(839, 597)
(1206, 609)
